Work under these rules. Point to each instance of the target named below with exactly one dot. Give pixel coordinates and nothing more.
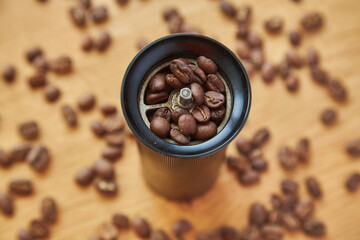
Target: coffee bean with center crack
(201, 114)
(49, 210)
(29, 130)
(178, 136)
(141, 228)
(23, 187)
(182, 71)
(214, 99)
(38, 158)
(173, 82)
(288, 158)
(214, 83)
(207, 65)
(197, 93)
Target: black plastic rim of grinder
(186, 45)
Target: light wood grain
(289, 116)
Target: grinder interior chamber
(174, 100)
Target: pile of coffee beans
(182, 124)
(251, 163)
(289, 158)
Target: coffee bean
(177, 136)
(85, 3)
(141, 227)
(159, 235)
(243, 145)
(259, 164)
(107, 109)
(197, 93)
(114, 123)
(51, 92)
(175, 24)
(254, 40)
(352, 148)
(243, 15)
(314, 228)
(255, 154)
(107, 231)
(106, 187)
(5, 160)
(38, 158)
(274, 25)
(97, 128)
(141, 43)
(38, 229)
(120, 221)
(154, 98)
(328, 116)
(274, 217)
(294, 59)
(86, 43)
(29, 130)
(61, 65)
(218, 114)
(49, 210)
(182, 71)
(173, 82)
(207, 65)
(21, 186)
(292, 83)
(19, 152)
(312, 21)
(85, 176)
(319, 75)
(239, 164)
(199, 75)
(249, 178)
(160, 127)
(187, 124)
(111, 153)
(32, 53)
(260, 137)
(9, 73)
(177, 112)
(6, 204)
(258, 214)
(37, 80)
(242, 30)
(78, 17)
(228, 233)
(289, 221)
(276, 201)
(284, 69)
(169, 13)
(295, 37)
(40, 64)
(181, 227)
(313, 187)
(250, 233)
(214, 83)
(228, 9)
(163, 112)
(304, 210)
(115, 140)
(24, 234)
(257, 57)
(289, 187)
(103, 41)
(353, 182)
(86, 101)
(337, 90)
(157, 83)
(99, 14)
(201, 114)
(213, 99)
(289, 202)
(288, 158)
(268, 72)
(271, 232)
(303, 150)
(69, 115)
(205, 131)
(243, 50)
(104, 169)
(312, 57)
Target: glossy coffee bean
(197, 93)
(288, 158)
(154, 98)
(177, 112)
(61, 65)
(207, 65)
(199, 75)
(69, 115)
(218, 114)
(173, 82)
(294, 59)
(163, 112)
(111, 153)
(201, 114)
(157, 83)
(86, 101)
(85, 176)
(182, 71)
(214, 99)
(160, 127)
(187, 124)
(214, 83)
(104, 169)
(178, 136)
(274, 24)
(205, 131)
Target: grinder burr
(182, 172)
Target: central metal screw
(185, 98)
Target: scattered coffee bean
(242, 31)
(243, 49)
(107, 232)
(249, 178)
(9, 73)
(274, 217)
(106, 187)
(207, 65)
(85, 3)
(49, 210)
(289, 187)
(169, 12)
(295, 37)
(353, 182)
(37, 80)
(61, 65)
(353, 148)
(38, 229)
(175, 24)
(292, 83)
(313, 187)
(141, 43)
(29, 130)
(197, 93)
(303, 150)
(52, 93)
(258, 214)
(257, 57)
(243, 15)
(6, 204)
(181, 227)
(314, 228)
(304, 210)
(38, 158)
(115, 140)
(259, 164)
(40, 64)
(120, 221)
(312, 21)
(99, 14)
(201, 114)
(85, 176)
(244, 146)
(214, 83)
(271, 232)
(98, 128)
(228, 9)
(337, 90)
(111, 153)
(294, 59)
(122, 2)
(19, 152)
(289, 221)
(5, 160)
(328, 116)
(228, 233)
(274, 25)
(260, 137)
(214, 99)
(103, 41)
(107, 108)
(69, 115)
(254, 40)
(218, 114)
(159, 235)
(289, 202)
(238, 164)
(288, 158)
(205, 131)
(86, 43)
(104, 169)
(255, 154)
(78, 17)
(177, 135)
(33, 52)
(114, 123)
(161, 127)
(209, 235)
(86, 101)
(312, 57)
(284, 69)
(24, 234)
(21, 186)
(142, 228)
(268, 72)
(276, 201)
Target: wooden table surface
(288, 116)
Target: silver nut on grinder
(183, 171)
